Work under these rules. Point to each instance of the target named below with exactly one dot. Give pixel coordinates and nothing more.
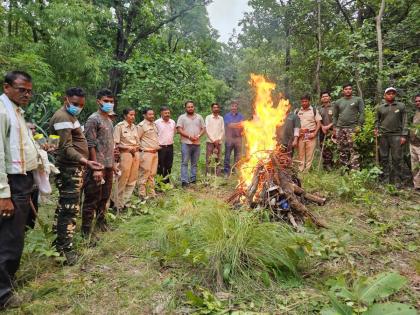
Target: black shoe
(71, 257)
(13, 301)
(102, 226)
(184, 184)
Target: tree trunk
(378, 19)
(287, 63)
(318, 63)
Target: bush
(227, 247)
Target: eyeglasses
(22, 90)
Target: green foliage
(41, 110)
(365, 139)
(359, 185)
(225, 247)
(361, 294)
(205, 303)
(161, 78)
(39, 242)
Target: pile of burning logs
(275, 187)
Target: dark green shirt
(326, 113)
(391, 119)
(286, 132)
(348, 112)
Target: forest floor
(369, 231)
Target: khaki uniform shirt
(148, 135)
(307, 118)
(126, 135)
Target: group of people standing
(97, 157)
(337, 124)
(92, 160)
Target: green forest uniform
(326, 113)
(348, 113)
(72, 147)
(391, 121)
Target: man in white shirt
(166, 132)
(215, 129)
(18, 160)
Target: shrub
(225, 247)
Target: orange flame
(260, 132)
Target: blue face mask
(73, 110)
(107, 107)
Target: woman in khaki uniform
(126, 139)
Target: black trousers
(12, 231)
(96, 198)
(165, 160)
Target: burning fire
(260, 132)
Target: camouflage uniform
(72, 147)
(69, 184)
(349, 156)
(348, 113)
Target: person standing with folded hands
(149, 146)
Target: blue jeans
(234, 145)
(190, 152)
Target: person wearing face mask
(98, 184)
(71, 158)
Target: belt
(126, 150)
(149, 151)
(166, 145)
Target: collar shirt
(309, 118)
(326, 113)
(391, 119)
(166, 131)
(192, 125)
(98, 133)
(148, 135)
(215, 128)
(27, 159)
(126, 134)
(230, 118)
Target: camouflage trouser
(349, 157)
(96, 198)
(327, 153)
(69, 183)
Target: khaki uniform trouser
(125, 184)
(415, 164)
(306, 153)
(148, 169)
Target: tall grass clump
(226, 247)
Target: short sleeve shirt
(192, 125)
(125, 134)
(326, 113)
(308, 119)
(99, 135)
(148, 135)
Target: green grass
(187, 252)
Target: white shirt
(166, 131)
(215, 128)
